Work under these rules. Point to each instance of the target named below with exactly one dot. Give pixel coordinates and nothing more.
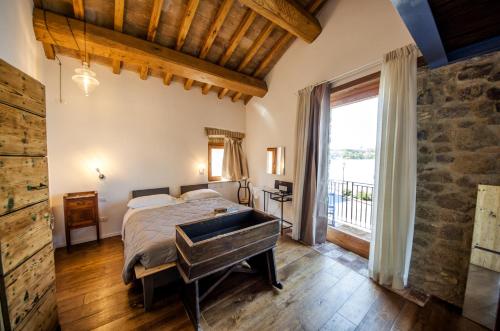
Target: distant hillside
(353, 154)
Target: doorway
(353, 128)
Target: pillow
(152, 200)
(200, 194)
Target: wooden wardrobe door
(27, 272)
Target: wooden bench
(153, 278)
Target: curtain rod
(350, 73)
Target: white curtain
(234, 162)
(396, 169)
(311, 165)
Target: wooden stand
(80, 210)
(192, 295)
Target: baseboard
(86, 239)
(348, 241)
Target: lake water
(362, 171)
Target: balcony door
(353, 128)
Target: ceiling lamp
(85, 78)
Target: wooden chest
(27, 273)
(207, 246)
(80, 210)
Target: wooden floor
(324, 289)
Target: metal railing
(350, 203)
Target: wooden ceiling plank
(268, 28)
(219, 19)
(191, 7)
(78, 9)
(289, 15)
(109, 43)
(279, 47)
(273, 53)
(234, 42)
(119, 14)
(118, 26)
(152, 28)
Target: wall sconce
(201, 169)
(101, 175)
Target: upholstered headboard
(150, 191)
(187, 188)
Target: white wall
(141, 134)
(18, 46)
(355, 33)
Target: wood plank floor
(326, 288)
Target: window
(215, 156)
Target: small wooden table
(80, 210)
(220, 245)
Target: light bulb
(85, 79)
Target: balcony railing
(350, 203)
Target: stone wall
(458, 148)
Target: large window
(215, 156)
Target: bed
(149, 237)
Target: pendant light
(84, 77)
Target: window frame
(355, 91)
(213, 145)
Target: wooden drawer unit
(27, 272)
(23, 233)
(80, 210)
(24, 181)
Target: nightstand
(80, 210)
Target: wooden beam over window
(279, 47)
(212, 34)
(191, 7)
(118, 25)
(289, 15)
(153, 26)
(108, 43)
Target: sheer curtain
(311, 165)
(395, 172)
(234, 162)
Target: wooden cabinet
(27, 272)
(80, 210)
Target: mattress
(149, 233)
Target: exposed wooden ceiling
(217, 45)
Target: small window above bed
(215, 156)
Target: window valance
(220, 134)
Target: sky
(354, 126)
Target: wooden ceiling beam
(78, 9)
(191, 7)
(48, 49)
(152, 28)
(289, 15)
(219, 19)
(118, 26)
(240, 32)
(279, 47)
(104, 42)
(268, 28)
